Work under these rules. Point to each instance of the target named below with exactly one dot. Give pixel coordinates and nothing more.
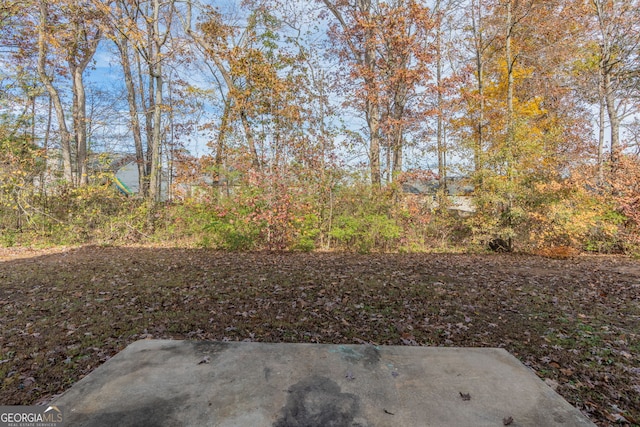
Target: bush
(264, 212)
(365, 219)
(366, 233)
(232, 234)
(308, 231)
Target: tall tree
(480, 35)
(158, 32)
(355, 34)
(86, 33)
(618, 38)
(385, 46)
(480, 45)
(76, 39)
(143, 32)
(125, 35)
(447, 17)
(47, 79)
(227, 48)
(404, 30)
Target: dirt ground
(575, 322)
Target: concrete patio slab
(188, 383)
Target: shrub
(366, 233)
(308, 230)
(365, 219)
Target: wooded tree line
(535, 102)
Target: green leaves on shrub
(366, 233)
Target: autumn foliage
(311, 118)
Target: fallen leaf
(616, 418)
(566, 372)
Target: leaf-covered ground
(576, 322)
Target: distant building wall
(459, 193)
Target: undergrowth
(259, 215)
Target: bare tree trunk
(149, 112)
(373, 120)
(372, 104)
(32, 100)
(399, 103)
(510, 91)
(248, 132)
(400, 99)
(479, 48)
(45, 149)
(123, 48)
(156, 77)
(614, 119)
(397, 154)
(146, 105)
(601, 123)
(442, 172)
(80, 126)
(509, 149)
(169, 142)
(222, 135)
